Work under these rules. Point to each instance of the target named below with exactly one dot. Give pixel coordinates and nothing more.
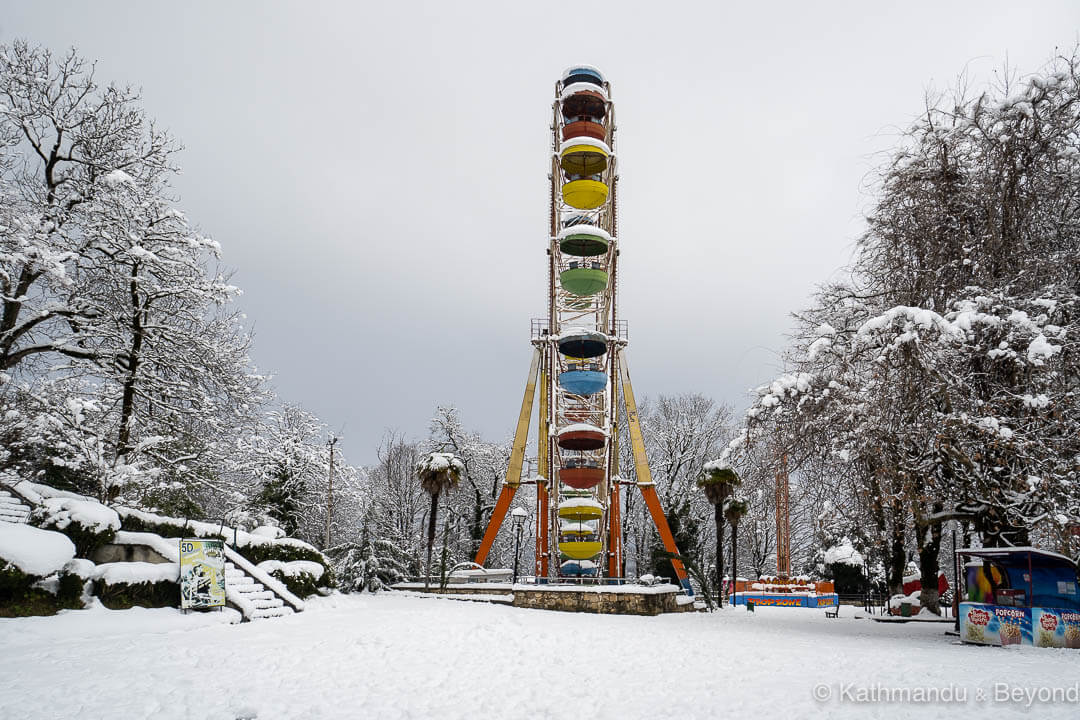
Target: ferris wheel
(579, 361)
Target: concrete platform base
(606, 599)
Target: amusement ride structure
(579, 359)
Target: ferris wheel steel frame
(562, 408)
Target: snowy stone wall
(615, 603)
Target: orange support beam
(506, 496)
(614, 533)
(513, 470)
(541, 530)
(644, 476)
(543, 447)
(652, 501)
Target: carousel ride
(579, 359)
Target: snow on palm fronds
(734, 510)
(439, 471)
(717, 481)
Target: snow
(81, 567)
(574, 68)
(580, 332)
(584, 229)
(133, 573)
(575, 88)
(394, 656)
(116, 178)
(1036, 402)
(440, 462)
(168, 549)
(292, 569)
(843, 553)
(33, 550)
(580, 502)
(587, 141)
(581, 427)
(62, 511)
(912, 317)
(817, 346)
(198, 529)
(1039, 350)
(268, 531)
(261, 576)
(993, 425)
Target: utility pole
(330, 492)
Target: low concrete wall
(616, 603)
(626, 600)
(127, 553)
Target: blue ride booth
(1019, 596)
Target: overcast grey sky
(376, 172)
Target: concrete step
(271, 612)
(12, 516)
(248, 589)
(264, 603)
(259, 595)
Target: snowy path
(389, 656)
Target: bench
(833, 613)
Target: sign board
(202, 573)
(986, 624)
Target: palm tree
(437, 471)
(718, 482)
(734, 510)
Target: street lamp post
(517, 517)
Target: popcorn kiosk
(1019, 596)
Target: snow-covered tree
(290, 460)
(63, 138)
(484, 466)
(438, 472)
(941, 382)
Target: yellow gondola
(584, 156)
(581, 509)
(584, 194)
(580, 550)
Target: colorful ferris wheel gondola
(582, 543)
(582, 436)
(584, 240)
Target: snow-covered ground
(393, 656)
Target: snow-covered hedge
(256, 546)
(29, 555)
(302, 577)
(34, 551)
(125, 584)
(88, 523)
